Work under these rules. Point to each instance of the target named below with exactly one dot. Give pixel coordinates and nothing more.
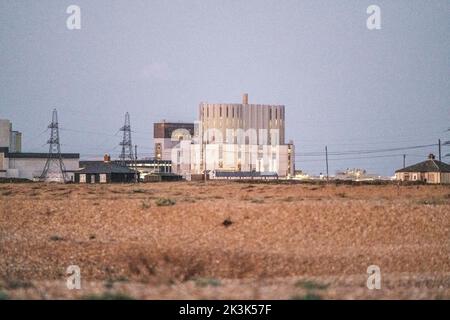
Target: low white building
(26, 165)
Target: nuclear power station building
(237, 137)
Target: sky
(343, 85)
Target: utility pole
(404, 160)
(202, 135)
(135, 164)
(54, 169)
(439, 143)
(204, 160)
(326, 160)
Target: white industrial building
(26, 165)
(239, 137)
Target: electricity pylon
(54, 169)
(127, 146)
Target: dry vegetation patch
(225, 240)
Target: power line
(348, 152)
(87, 132)
(357, 158)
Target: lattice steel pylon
(127, 146)
(54, 169)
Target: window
(220, 112)
(233, 112)
(158, 150)
(207, 112)
(270, 114)
(276, 113)
(103, 178)
(227, 112)
(82, 178)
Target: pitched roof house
(429, 171)
(105, 171)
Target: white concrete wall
(445, 177)
(5, 133)
(4, 163)
(29, 168)
(233, 157)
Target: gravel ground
(224, 240)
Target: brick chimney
(245, 98)
(106, 158)
(431, 156)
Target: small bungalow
(429, 171)
(104, 172)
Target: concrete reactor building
(243, 137)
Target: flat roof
(33, 155)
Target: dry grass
(243, 241)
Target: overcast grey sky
(342, 84)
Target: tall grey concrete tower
(245, 116)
